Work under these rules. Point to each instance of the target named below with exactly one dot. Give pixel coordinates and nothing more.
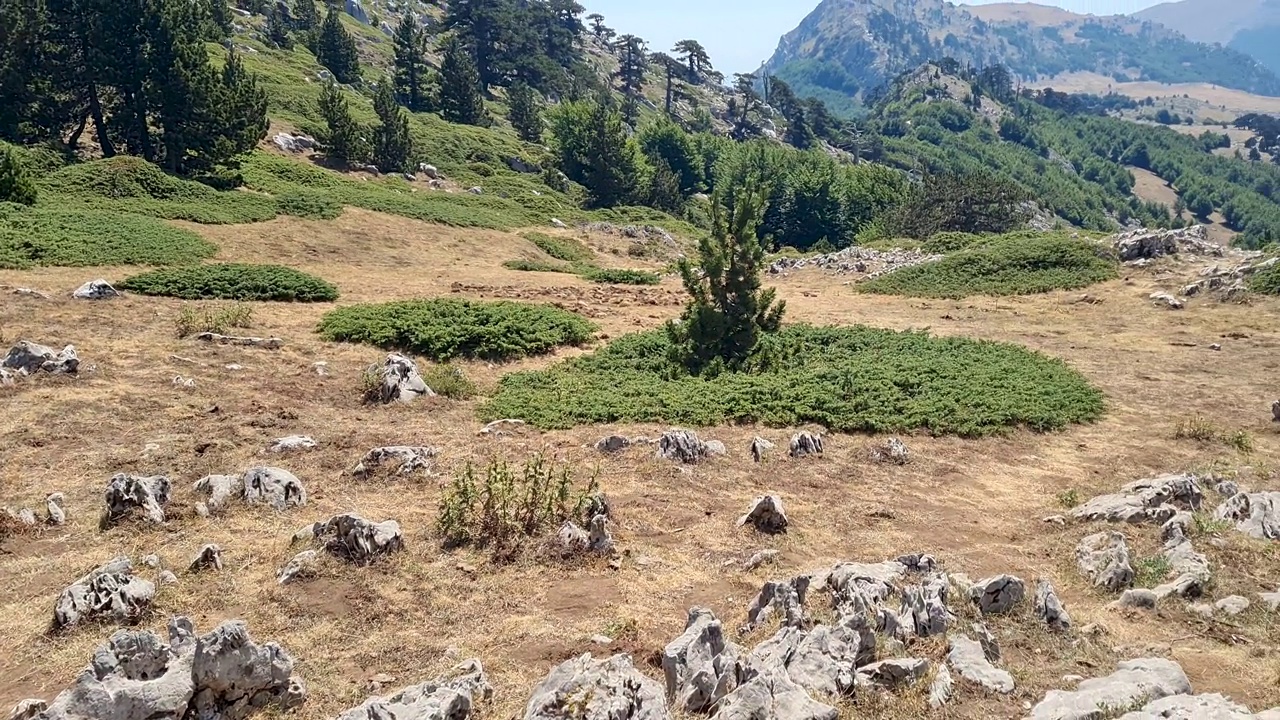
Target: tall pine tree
(612, 162)
(460, 98)
(277, 29)
(412, 74)
(392, 146)
(344, 141)
(632, 64)
(336, 49)
(524, 112)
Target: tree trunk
(668, 90)
(74, 141)
(100, 123)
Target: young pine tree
(392, 146)
(612, 162)
(412, 73)
(15, 185)
(277, 29)
(524, 112)
(336, 49)
(460, 99)
(728, 311)
(344, 142)
(306, 22)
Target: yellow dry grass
(1231, 103)
(976, 504)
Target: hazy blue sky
(741, 34)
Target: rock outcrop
(1049, 608)
(273, 486)
(111, 591)
(773, 694)
(28, 358)
(1134, 682)
(400, 459)
(126, 493)
(766, 515)
(700, 666)
(360, 541)
(95, 290)
(685, 446)
(451, 697)
(892, 451)
(968, 659)
(1104, 559)
(396, 379)
(1256, 514)
(999, 594)
(589, 689)
(805, 443)
(1144, 501)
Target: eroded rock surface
(892, 451)
(111, 591)
(700, 666)
(969, 660)
(95, 290)
(1143, 501)
(1133, 682)
(273, 486)
(1104, 559)
(1049, 607)
(362, 542)
(1256, 514)
(766, 515)
(401, 459)
(28, 358)
(773, 694)
(998, 594)
(805, 443)
(587, 689)
(685, 446)
(397, 380)
(125, 493)
(451, 697)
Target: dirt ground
(975, 504)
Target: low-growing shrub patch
(566, 249)
(308, 204)
(231, 281)
(949, 242)
(1266, 281)
(1012, 265)
(539, 266)
(449, 381)
(45, 236)
(620, 276)
(193, 321)
(843, 378)
(446, 328)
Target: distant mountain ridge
(845, 49)
(1250, 26)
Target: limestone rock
(572, 539)
(28, 358)
(700, 666)
(764, 557)
(1049, 608)
(997, 594)
(429, 170)
(941, 688)
(990, 646)
(805, 443)
(362, 542)
(166, 577)
(56, 514)
(784, 597)
(1189, 568)
(1137, 599)
(761, 447)
(588, 689)
(503, 428)
(683, 446)
(218, 491)
(613, 444)
(766, 515)
(95, 290)
(271, 343)
(825, 659)
(291, 143)
(110, 591)
(405, 460)
(209, 557)
(771, 694)
(291, 443)
(1192, 707)
(29, 709)
(1145, 244)
(1227, 488)
(1232, 605)
(1143, 501)
(127, 492)
(1162, 299)
(223, 675)
(452, 697)
(558, 223)
(1271, 600)
(892, 674)
(1255, 514)
(919, 562)
(968, 659)
(397, 380)
(924, 608)
(892, 451)
(24, 516)
(1134, 682)
(278, 488)
(1275, 411)
(300, 566)
(1104, 559)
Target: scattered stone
(613, 444)
(429, 170)
(362, 542)
(451, 697)
(167, 577)
(1166, 300)
(209, 557)
(700, 666)
(1232, 605)
(57, 515)
(476, 191)
(1255, 514)
(272, 343)
(291, 443)
(28, 358)
(1055, 519)
(766, 515)
(1137, 599)
(1216, 347)
(1134, 682)
(805, 443)
(759, 448)
(218, 489)
(223, 674)
(941, 687)
(601, 640)
(1271, 600)
(179, 381)
(1227, 488)
(396, 379)
(126, 492)
(1104, 559)
(301, 566)
(1050, 609)
(321, 368)
(990, 646)
(503, 428)
(1189, 568)
(406, 460)
(23, 516)
(892, 450)
(924, 608)
(683, 446)
(572, 539)
(996, 595)
(856, 260)
(1195, 707)
(1275, 411)
(1143, 501)
(764, 557)
(151, 561)
(291, 143)
(95, 290)
(892, 674)
(772, 694)
(918, 562)
(968, 659)
(608, 689)
(110, 591)
(278, 488)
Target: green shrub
(500, 507)
(1002, 266)
(847, 379)
(1266, 281)
(308, 204)
(1151, 571)
(539, 266)
(449, 381)
(15, 184)
(447, 328)
(193, 321)
(620, 276)
(949, 242)
(566, 249)
(230, 281)
(79, 237)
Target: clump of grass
(1240, 440)
(449, 381)
(1151, 571)
(193, 321)
(232, 281)
(55, 236)
(568, 250)
(620, 276)
(1201, 429)
(1206, 524)
(844, 378)
(500, 506)
(1015, 265)
(308, 204)
(446, 328)
(1069, 498)
(539, 266)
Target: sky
(741, 34)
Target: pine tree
(611, 161)
(182, 97)
(277, 29)
(524, 112)
(344, 142)
(664, 188)
(460, 99)
(671, 68)
(243, 108)
(695, 58)
(412, 73)
(32, 106)
(597, 25)
(728, 312)
(15, 185)
(392, 145)
(306, 22)
(741, 107)
(336, 49)
(632, 64)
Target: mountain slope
(1249, 26)
(846, 48)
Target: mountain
(845, 49)
(1250, 26)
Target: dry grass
(974, 504)
(1232, 103)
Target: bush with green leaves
(620, 276)
(16, 185)
(561, 248)
(233, 281)
(1014, 265)
(847, 379)
(540, 266)
(53, 236)
(1266, 281)
(446, 328)
(449, 381)
(308, 204)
